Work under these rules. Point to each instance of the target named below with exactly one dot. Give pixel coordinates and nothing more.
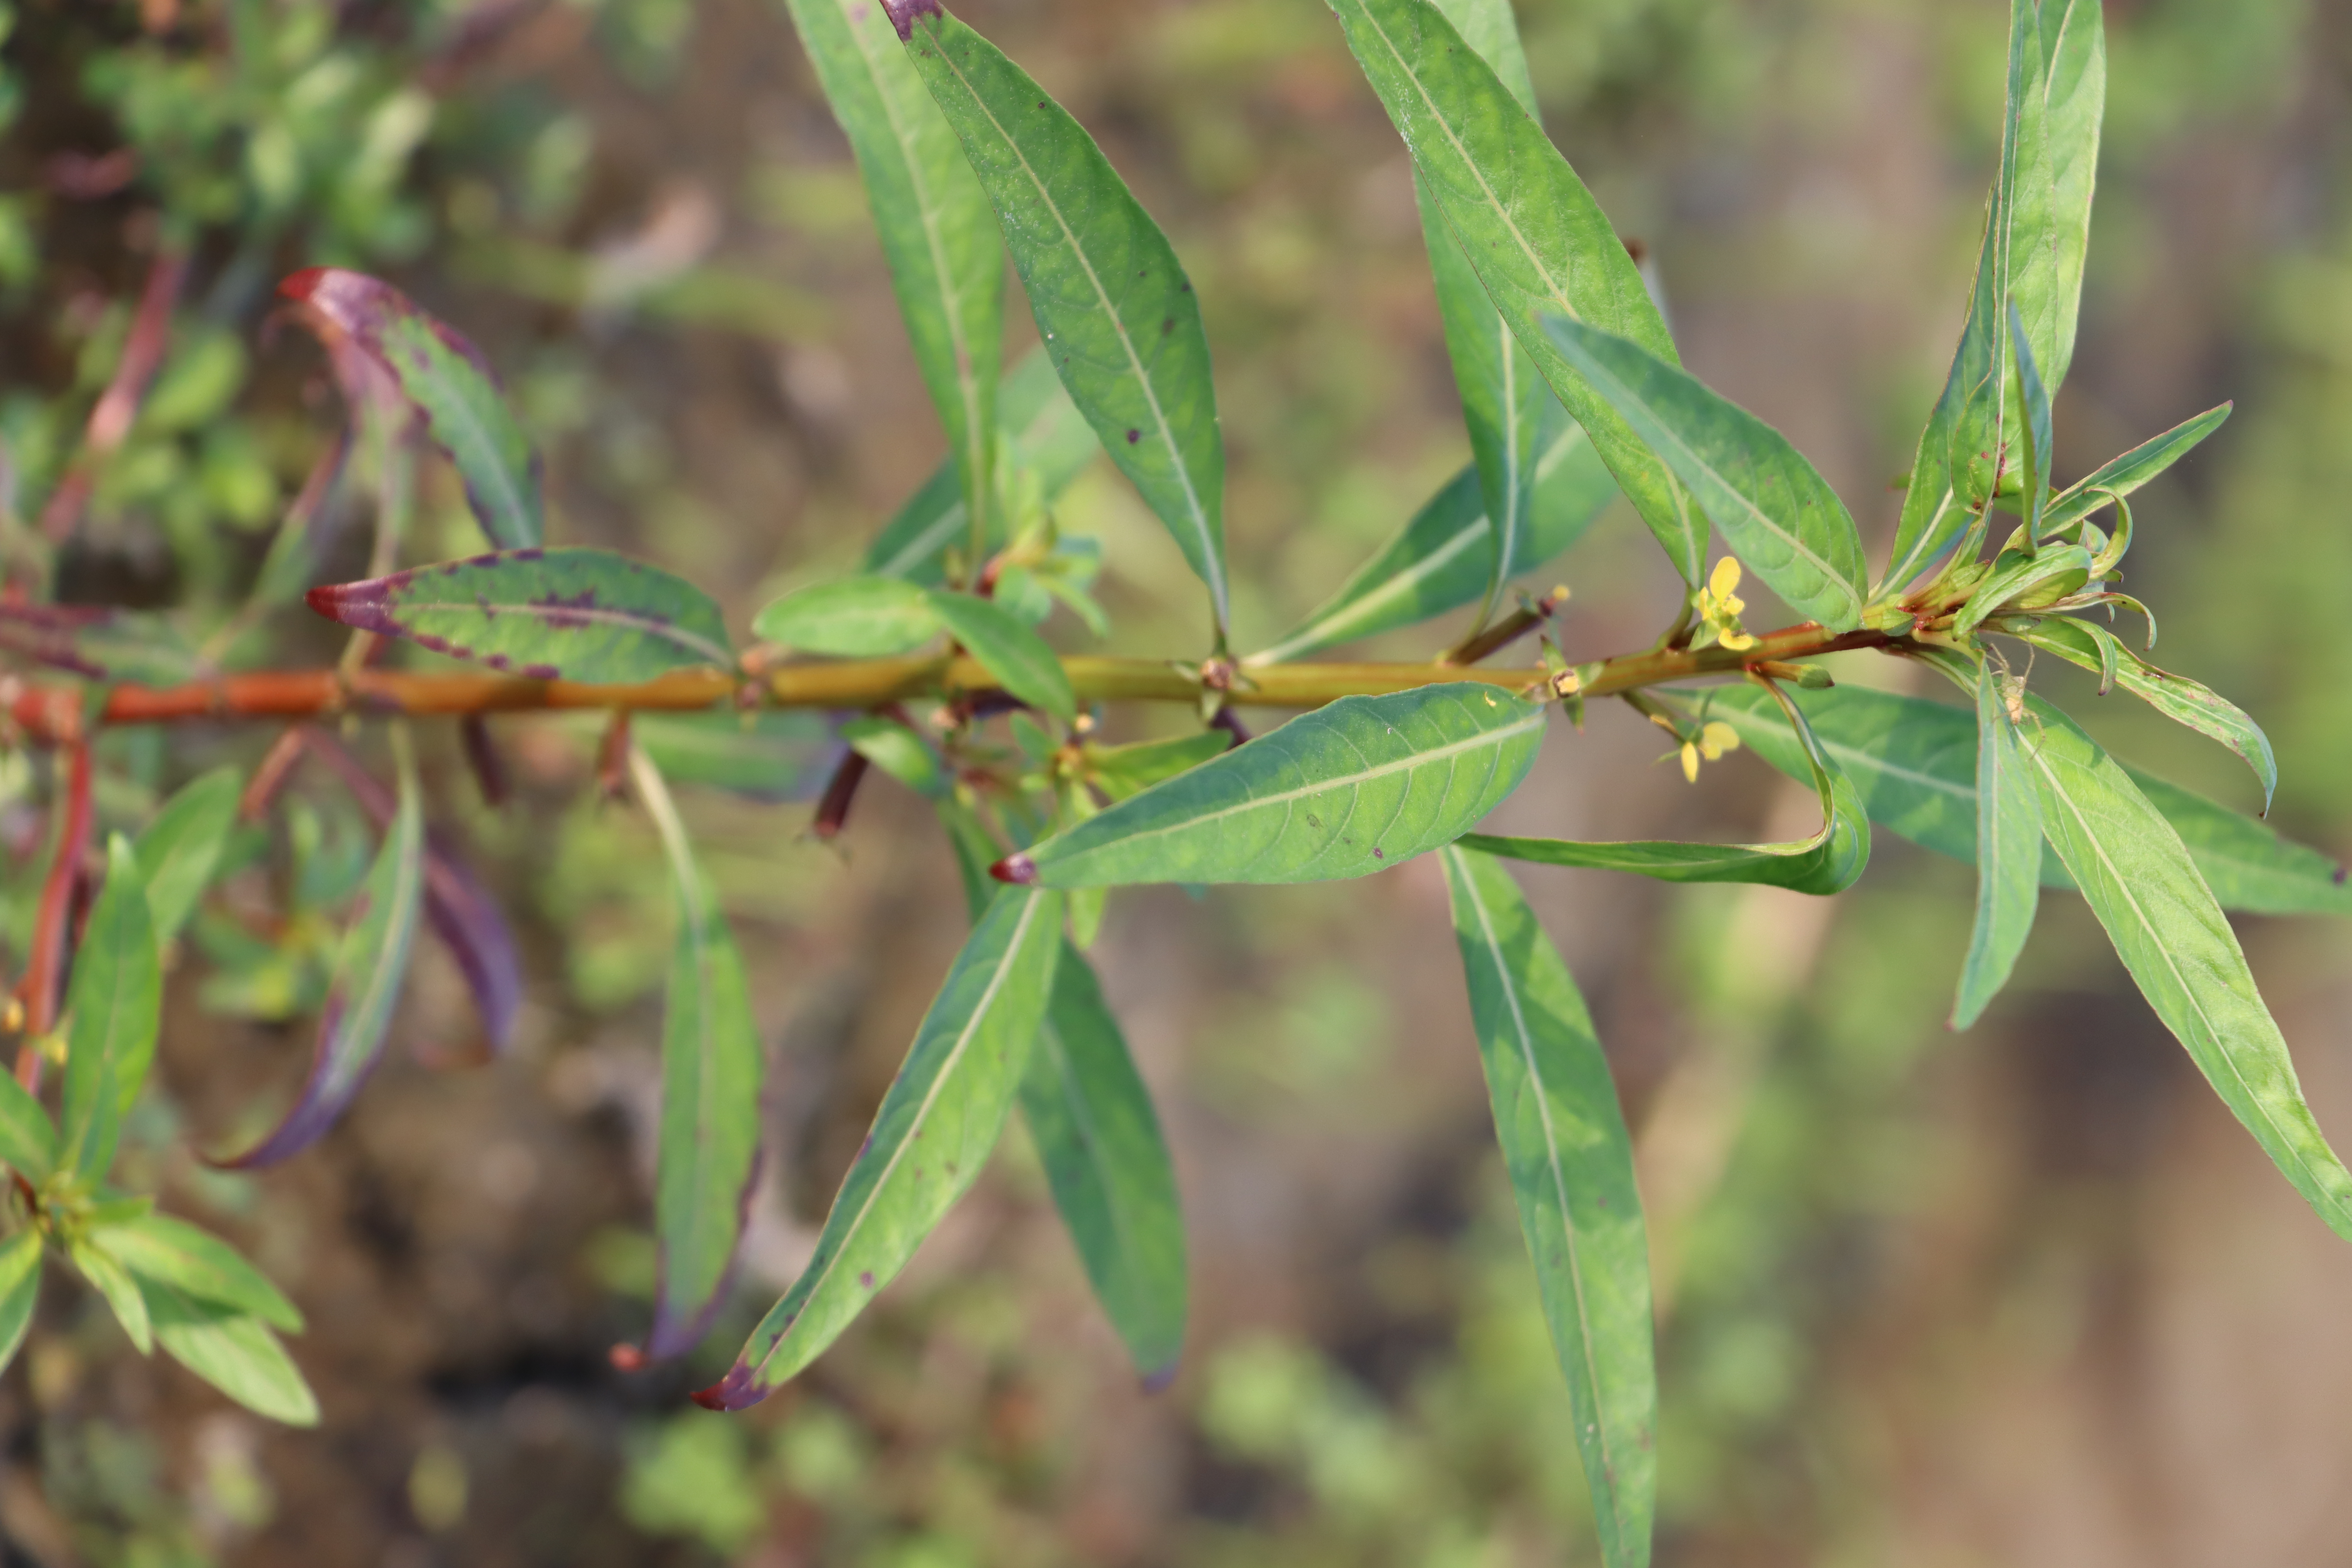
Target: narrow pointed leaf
(1012, 652)
(449, 382)
(160, 1249)
(1345, 791)
(709, 1155)
(2133, 469)
(114, 1282)
(545, 615)
(370, 965)
(2138, 878)
(20, 1290)
(1828, 862)
(1571, 1166)
(1913, 763)
(114, 1010)
(1042, 433)
(2033, 428)
(2037, 230)
(236, 1352)
(936, 1126)
(1107, 1165)
(2009, 849)
(851, 618)
(2178, 697)
(1537, 239)
(1117, 313)
(29, 1141)
(938, 235)
(775, 754)
(1436, 562)
(180, 848)
(1774, 509)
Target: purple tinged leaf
(580, 615)
(445, 378)
(97, 643)
(369, 969)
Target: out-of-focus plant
(933, 666)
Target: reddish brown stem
(833, 808)
(51, 935)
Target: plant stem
(54, 714)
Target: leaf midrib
(647, 622)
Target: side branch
(56, 713)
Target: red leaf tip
(303, 284)
(1018, 869)
(904, 13)
(734, 1391)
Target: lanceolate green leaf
(114, 1009)
(2178, 697)
(1774, 508)
(938, 232)
(234, 1352)
(1571, 1168)
(1828, 862)
(1091, 1116)
(20, 1290)
(709, 1154)
(180, 848)
(2133, 469)
(1439, 560)
(28, 1141)
(2137, 877)
(1345, 791)
(113, 1281)
(1913, 763)
(851, 618)
(545, 615)
(2037, 229)
(2009, 848)
(937, 1123)
(1040, 432)
(160, 1249)
(1118, 314)
(447, 380)
(1012, 652)
(1528, 224)
(370, 967)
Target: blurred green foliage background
(2025, 1296)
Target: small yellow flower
(1715, 738)
(1720, 605)
(1690, 761)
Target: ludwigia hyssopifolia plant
(932, 666)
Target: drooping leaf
(1828, 862)
(180, 848)
(2019, 580)
(447, 380)
(709, 1157)
(111, 1281)
(20, 1290)
(2009, 848)
(2037, 229)
(114, 1007)
(1772, 506)
(851, 618)
(158, 1248)
(1122, 771)
(1913, 763)
(2138, 878)
(1107, 1166)
(1437, 561)
(2133, 469)
(370, 965)
(577, 614)
(28, 1139)
(1534, 233)
(938, 235)
(1114, 306)
(1043, 436)
(937, 1123)
(236, 1352)
(1011, 651)
(2178, 697)
(1571, 1165)
(1344, 791)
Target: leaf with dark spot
(447, 380)
(580, 615)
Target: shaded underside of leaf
(1349, 789)
(582, 615)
